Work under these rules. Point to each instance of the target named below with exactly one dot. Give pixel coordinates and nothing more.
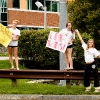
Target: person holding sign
(13, 45)
(70, 36)
(89, 53)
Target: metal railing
(42, 74)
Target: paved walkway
(47, 97)
(5, 58)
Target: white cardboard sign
(57, 41)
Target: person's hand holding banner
(5, 35)
(57, 41)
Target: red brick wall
(33, 18)
(9, 3)
(53, 19)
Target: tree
(85, 15)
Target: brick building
(28, 14)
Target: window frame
(2, 11)
(15, 3)
(29, 5)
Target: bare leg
(69, 54)
(16, 57)
(67, 60)
(10, 52)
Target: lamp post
(45, 9)
(39, 5)
(63, 20)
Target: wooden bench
(42, 74)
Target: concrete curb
(48, 97)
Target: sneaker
(88, 89)
(97, 88)
(67, 68)
(17, 68)
(96, 91)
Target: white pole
(45, 19)
(63, 20)
(39, 5)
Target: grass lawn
(5, 64)
(37, 88)
(40, 88)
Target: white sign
(57, 41)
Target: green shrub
(32, 47)
(35, 54)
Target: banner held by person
(5, 35)
(57, 41)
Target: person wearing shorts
(13, 45)
(68, 53)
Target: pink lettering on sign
(55, 45)
(55, 36)
(60, 37)
(62, 46)
(56, 41)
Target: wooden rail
(42, 74)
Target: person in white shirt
(13, 45)
(70, 38)
(90, 52)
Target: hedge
(33, 50)
(35, 54)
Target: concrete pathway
(4, 58)
(47, 97)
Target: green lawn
(40, 88)
(37, 88)
(5, 64)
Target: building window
(4, 16)
(31, 5)
(3, 12)
(28, 28)
(16, 3)
(51, 5)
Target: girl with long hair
(68, 53)
(90, 52)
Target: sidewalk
(47, 97)
(5, 58)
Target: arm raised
(80, 37)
